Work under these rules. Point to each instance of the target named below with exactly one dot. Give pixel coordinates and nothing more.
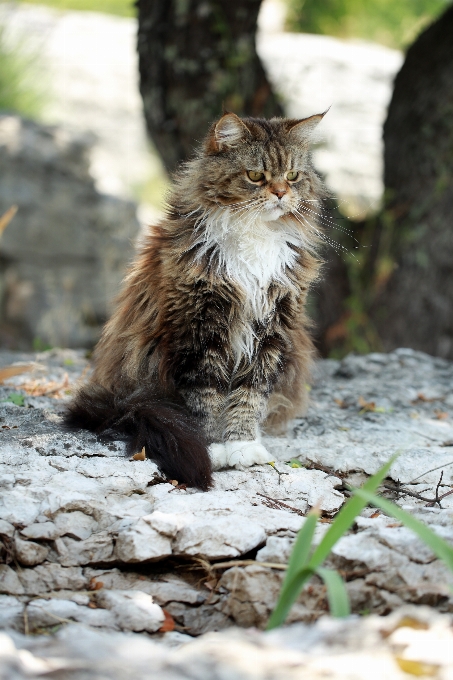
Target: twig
(246, 563)
(322, 468)
(429, 501)
(25, 617)
(272, 464)
(432, 470)
(281, 504)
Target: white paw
(218, 456)
(241, 454)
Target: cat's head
(256, 165)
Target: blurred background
(100, 100)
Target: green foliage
(302, 566)
(391, 23)
(40, 345)
(122, 8)
(295, 463)
(16, 398)
(21, 88)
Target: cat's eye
(255, 176)
(292, 175)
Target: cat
(209, 339)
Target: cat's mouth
(275, 210)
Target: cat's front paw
(218, 455)
(241, 454)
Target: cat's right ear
(226, 133)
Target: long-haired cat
(209, 339)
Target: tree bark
(197, 57)
(404, 282)
(416, 307)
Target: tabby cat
(209, 339)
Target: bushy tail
(170, 435)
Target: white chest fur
(252, 253)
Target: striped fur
(211, 320)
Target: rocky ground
(94, 538)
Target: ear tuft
(228, 131)
(302, 129)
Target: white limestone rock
(133, 610)
(30, 553)
(77, 504)
(141, 543)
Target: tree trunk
(416, 307)
(197, 57)
(400, 291)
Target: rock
(411, 641)
(134, 610)
(11, 613)
(63, 257)
(9, 581)
(96, 518)
(6, 529)
(44, 613)
(141, 543)
(30, 553)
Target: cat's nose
(279, 190)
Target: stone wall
(64, 253)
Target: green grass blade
(345, 518)
(336, 592)
(302, 546)
(442, 549)
(299, 570)
(291, 587)
(288, 596)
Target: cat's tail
(172, 437)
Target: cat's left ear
(301, 130)
(226, 133)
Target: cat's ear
(301, 130)
(226, 133)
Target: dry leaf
(375, 514)
(10, 371)
(440, 415)
(168, 624)
(6, 218)
(92, 605)
(173, 482)
(421, 397)
(366, 405)
(341, 403)
(95, 585)
(210, 585)
(417, 668)
(141, 455)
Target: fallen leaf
(10, 371)
(173, 482)
(6, 218)
(141, 455)
(440, 415)
(168, 624)
(410, 622)
(95, 585)
(341, 403)
(210, 585)
(366, 405)
(92, 605)
(417, 668)
(375, 514)
(421, 397)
